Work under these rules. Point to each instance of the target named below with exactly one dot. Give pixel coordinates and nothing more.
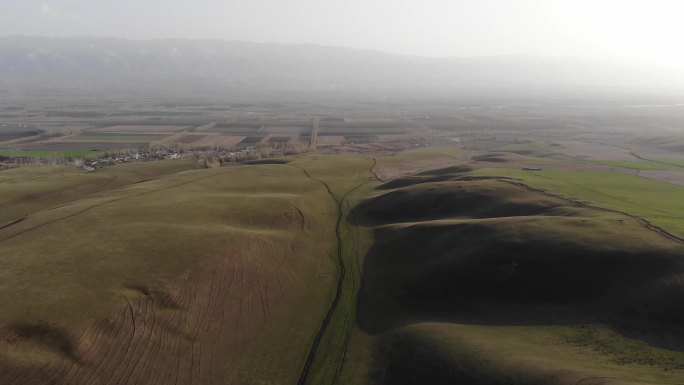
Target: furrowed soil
(199, 277)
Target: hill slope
(202, 276)
(458, 264)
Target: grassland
(51, 154)
(254, 273)
(515, 354)
(659, 202)
(202, 276)
(639, 165)
(414, 160)
(308, 270)
(327, 356)
(678, 162)
(27, 190)
(487, 282)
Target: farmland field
(218, 140)
(80, 145)
(47, 154)
(229, 281)
(146, 129)
(97, 137)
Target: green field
(676, 162)
(660, 203)
(26, 190)
(639, 165)
(533, 355)
(160, 243)
(438, 308)
(347, 188)
(51, 154)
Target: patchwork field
(47, 153)
(13, 132)
(115, 137)
(146, 129)
(72, 146)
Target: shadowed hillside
(488, 252)
(460, 199)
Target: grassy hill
(486, 282)
(312, 271)
(200, 276)
(658, 202)
(26, 190)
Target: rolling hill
(463, 268)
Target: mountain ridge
(99, 59)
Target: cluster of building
(220, 156)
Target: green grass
(348, 179)
(639, 165)
(538, 353)
(26, 190)
(548, 354)
(419, 154)
(73, 265)
(660, 203)
(539, 148)
(88, 137)
(678, 162)
(621, 350)
(52, 154)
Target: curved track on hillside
(372, 170)
(642, 221)
(339, 202)
(303, 377)
(96, 205)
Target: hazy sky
(633, 29)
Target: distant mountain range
(284, 66)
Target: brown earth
(139, 129)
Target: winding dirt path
(303, 377)
(372, 170)
(325, 324)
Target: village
(206, 157)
